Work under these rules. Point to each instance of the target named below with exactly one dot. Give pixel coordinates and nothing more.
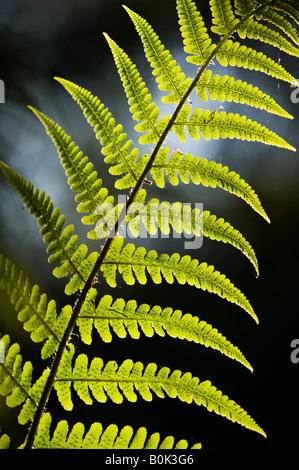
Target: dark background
(40, 40)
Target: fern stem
(106, 246)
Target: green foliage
(201, 171)
(135, 264)
(91, 378)
(4, 441)
(16, 382)
(99, 438)
(38, 315)
(116, 148)
(99, 381)
(63, 244)
(129, 318)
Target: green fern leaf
(197, 42)
(200, 171)
(29, 408)
(222, 125)
(223, 17)
(38, 315)
(221, 230)
(82, 177)
(132, 264)
(62, 243)
(226, 88)
(280, 22)
(15, 382)
(232, 53)
(117, 150)
(4, 441)
(243, 7)
(128, 318)
(99, 438)
(168, 74)
(141, 106)
(131, 379)
(255, 30)
(181, 218)
(289, 8)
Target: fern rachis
(90, 378)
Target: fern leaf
(128, 318)
(118, 152)
(181, 218)
(198, 45)
(222, 125)
(234, 54)
(223, 17)
(168, 74)
(200, 171)
(4, 441)
(226, 88)
(15, 382)
(73, 260)
(219, 229)
(99, 438)
(243, 7)
(99, 381)
(255, 30)
(15, 378)
(289, 8)
(132, 264)
(38, 315)
(280, 22)
(141, 105)
(82, 177)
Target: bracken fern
(98, 317)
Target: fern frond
(82, 178)
(223, 17)
(201, 171)
(220, 230)
(243, 7)
(280, 22)
(38, 315)
(181, 218)
(234, 54)
(222, 125)
(15, 382)
(99, 438)
(119, 152)
(63, 247)
(4, 441)
(289, 8)
(169, 75)
(99, 381)
(128, 318)
(198, 45)
(142, 107)
(255, 30)
(132, 264)
(226, 88)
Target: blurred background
(40, 40)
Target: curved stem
(78, 304)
